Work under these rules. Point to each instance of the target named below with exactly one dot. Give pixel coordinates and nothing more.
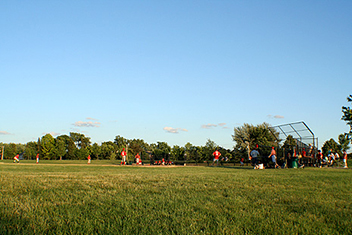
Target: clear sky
(173, 71)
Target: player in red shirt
(37, 158)
(123, 155)
(16, 159)
(216, 155)
(89, 158)
(138, 158)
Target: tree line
(77, 146)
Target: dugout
(304, 146)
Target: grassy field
(104, 198)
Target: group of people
(293, 156)
(163, 162)
(124, 158)
(331, 158)
(254, 155)
(16, 159)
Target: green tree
(82, 153)
(60, 145)
(10, 150)
(188, 151)
(290, 142)
(48, 146)
(80, 140)
(31, 150)
(196, 153)
(70, 147)
(108, 149)
(344, 141)
(161, 151)
(254, 135)
(347, 114)
(177, 153)
(113, 156)
(120, 142)
(137, 146)
(39, 148)
(331, 144)
(250, 135)
(95, 151)
(208, 150)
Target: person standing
(37, 158)
(319, 158)
(273, 157)
(137, 158)
(216, 155)
(345, 159)
(254, 156)
(89, 158)
(123, 155)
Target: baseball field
(105, 198)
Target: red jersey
(345, 155)
(88, 157)
(123, 153)
(216, 154)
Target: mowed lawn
(111, 199)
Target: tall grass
(99, 199)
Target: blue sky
(173, 71)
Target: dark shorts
(254, 161)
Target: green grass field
(104, 198)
